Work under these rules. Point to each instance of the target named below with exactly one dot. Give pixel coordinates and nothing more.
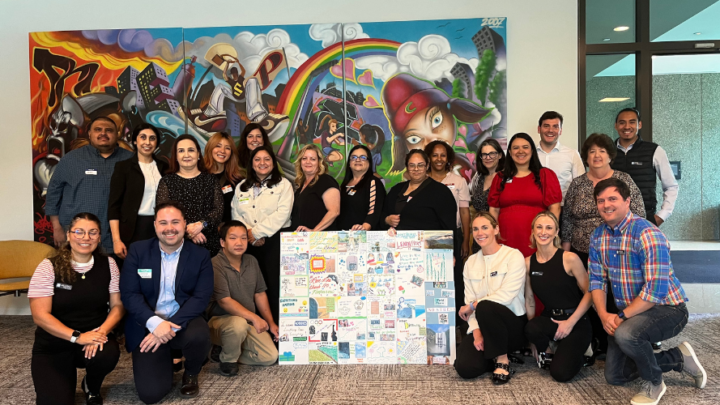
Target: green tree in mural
(497, 89)
(483, 73)
(458, 89)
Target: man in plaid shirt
(632, 256)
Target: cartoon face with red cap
(420, 113)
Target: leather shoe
(190, 388)
(229, 369)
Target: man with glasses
(645, 162)
(81, 181)
(564, 161)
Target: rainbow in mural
(368, 79)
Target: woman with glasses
(489, 161)
(75, 302)
(317, 199)
(361, 194)
(134, 183)
(420, 203)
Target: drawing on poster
(295, 242)
(339, 314)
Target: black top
(309, 209)
(430, 207)
(361, 205)
(638, 163)
(551, 283)
(202, 199)
(126, 193)
(228, 190)
(85, 304)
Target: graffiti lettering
(46, 62)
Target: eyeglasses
(356, 157)
(491, 155)
(419, 166)
(80, 233)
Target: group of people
(198, 242)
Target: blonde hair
(557, 242)
(322, 169)
(490, 218)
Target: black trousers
(502, 331)
(54, 363)
(268, 257)
(458, 273)
(569, 355)
(154, 371)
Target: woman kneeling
(494, 280)
(560, 281)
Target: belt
(561, 312)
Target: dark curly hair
(62, 258)
(448, 151)
(510, 170)
(601, 141)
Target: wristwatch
(621, 315)
(204, 224)
(472, 305)
(75, 336)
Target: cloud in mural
(333, 33)
(250, 48)
(431, 58)
(137, 40)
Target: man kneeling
(239, 288)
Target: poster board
(367, 298)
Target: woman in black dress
(75, 303)
(561, 282)
(489, 160)
(196, 189)
(420, 203)
(221, 159)
(361, 194)
(317, 198)
(133, 187)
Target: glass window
(672, 20)
(609, 21)
(610, 87)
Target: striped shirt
(42, 283)
(634, 256)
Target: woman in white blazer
(495, 310)
(263, 202)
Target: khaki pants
(241, 342)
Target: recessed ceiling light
(621, 28)
(614, 99)
(698, 33)
(606, 39)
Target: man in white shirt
(645, 162)
(564, 161)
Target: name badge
(227, 189)
(91, 171)
(451, 186)
(145, 273)
(351, 192)
(243, 201)
(636, 163)
(493, 274)
(621, 252)
(536, 273)
(63, 286)
(509, 181)
(409, 198)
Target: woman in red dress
(523, 190)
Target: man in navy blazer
(166, 284)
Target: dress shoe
(190, 387)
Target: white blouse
(152, 179)
(499, 277)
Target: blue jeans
(630, 354)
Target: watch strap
(621, 315)
(75, 336)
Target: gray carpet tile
(373, 384)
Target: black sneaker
(229, 369)
(657, 345)
(90, 399)
(544, 360)
(215, 353)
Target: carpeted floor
(374, 384)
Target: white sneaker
(649, 394)
(692, 366)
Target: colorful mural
(392, 86)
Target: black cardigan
(433, 208)
(126, 192)
(355, 209)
